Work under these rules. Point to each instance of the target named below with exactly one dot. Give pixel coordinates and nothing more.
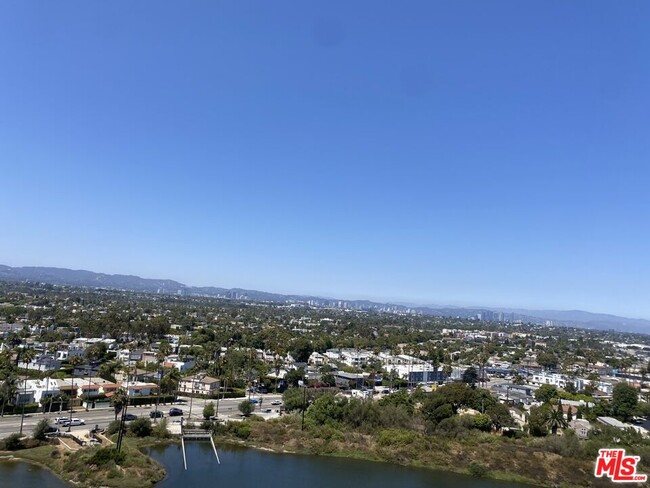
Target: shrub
(141, 427)
(113, 427)
(104, 455)
(12, 442)
(246, 407)
(160, 430)
(40, 430)
(477, 470)
(396, 437)
(208, 410)
(240, 429)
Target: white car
(73, 422)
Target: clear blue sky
(470, 153)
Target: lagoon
(250, 468)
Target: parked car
(175, 412)
(156, 414)
(129, 416)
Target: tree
(96, 351)
(547, 360)
(326, 410)
(208, 410)
(482, 422)
(500, 416)
(555, 419)
(301, 349)
(625, 399)
(141, 427)
(25, 355)
(538, 421)
(169, 382)
(294, 376)
(8, 392)
(546, 393)
(447, 370)
(119, 401)
(470, 376)
(40, 430)
(75, 361)
(246, 408)
(328, 379)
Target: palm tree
(8, 392)
(119, 400)
(556, 419)
(447, 369)
(75, 361)
(25, 355)
(169, 382)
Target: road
(228, 409)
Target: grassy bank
(87, 468)
(481, 455)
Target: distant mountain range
(81, 278)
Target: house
(348, 379)
(317, 359)
(139, 388)
(581, 427)
(65, 353)
(42, 362)
(519, 416)
(88, 390)
(68, 386)
(198, 385)
(182, 365)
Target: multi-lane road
(227, 409)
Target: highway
(228, 409)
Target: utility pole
(123, 417)
(304, 402)
(191, 398)
(70, 423)
(22, 416)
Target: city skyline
(486, 156)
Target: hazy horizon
(440, 152)
(406, 301)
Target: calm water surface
(247, 468)
(23, 475)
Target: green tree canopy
(625, 399)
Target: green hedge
(18, 409)
(151, 399)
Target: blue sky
(469, 153)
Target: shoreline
(142, 471)
(352, 451)
(357, 455)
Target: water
(23, 475)
(248, 468)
